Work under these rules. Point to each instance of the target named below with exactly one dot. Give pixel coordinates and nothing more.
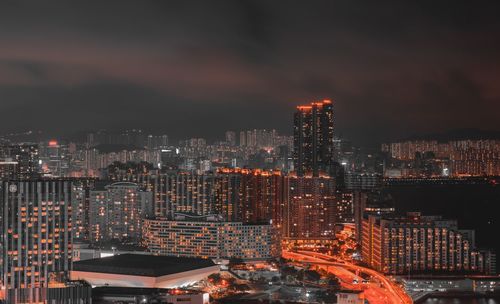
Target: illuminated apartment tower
(210, 237)
(117, 210)
(36, 225)
(312, 208)
(185, 192)
(421, 244)
(27, 158)
(251, 196)
(313, 138)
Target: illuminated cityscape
(249, 152)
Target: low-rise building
(141, 271)
(479, 284)
(148, 295)
(350, 297)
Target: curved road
(386, 292)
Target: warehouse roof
(141, 265)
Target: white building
(143, 271)
(350, 297)
(205, 237)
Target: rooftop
(141, 265)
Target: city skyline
(249, 152)
(392, 70)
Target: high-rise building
(251, 196)
(367, 203)
(8, 169)
(231, 138)
(80, 206)
(117, 210)
(311, 209)
(36, 244)
(27, 158)
(156, 141)
(251, 138)
(313, 138)
(186, 192)
(362, 181)
(344, 212)
(243, 139)
(420, 244)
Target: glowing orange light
(304, 108)
(53, 143)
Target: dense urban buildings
(243, 198)
(249, 152)
(456, 158)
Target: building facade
(36, 246)
(313, 138)
(116, 212)
(421, 244)
(208, 237)
(311, 211)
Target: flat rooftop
(141, 265)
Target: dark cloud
(197, 68)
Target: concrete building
(36, 243)
(350, 297)
(117, 210)
(311, 209)
(8, 169)
(126, 295)
(26, 156)
(141, 271)
(421, 244)
(209, 237)
(313, 138)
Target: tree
(288, 271)
(215, 278)
(300, 275)
(334, 283)
(312, 275)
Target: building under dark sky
(198, 68)
(313, 138)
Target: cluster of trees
(309, 275)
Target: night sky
(198, 68)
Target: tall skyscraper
(36, 246)
(313, 138)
